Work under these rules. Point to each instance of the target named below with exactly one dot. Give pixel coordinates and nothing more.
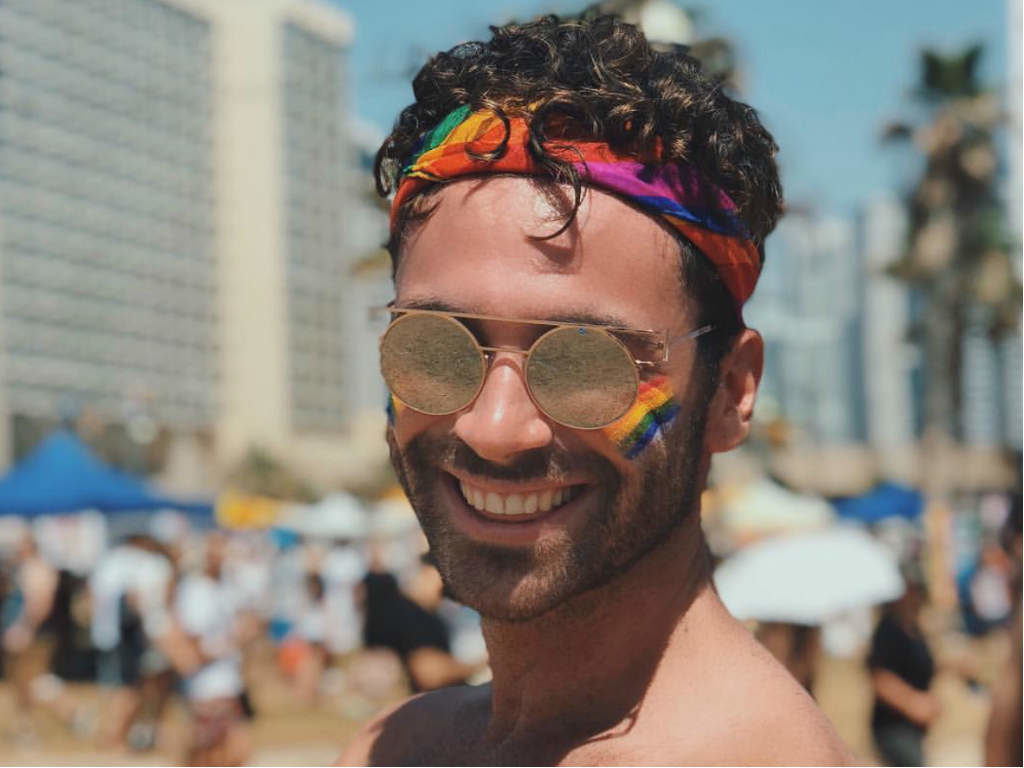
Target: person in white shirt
(130, 591)
(206, 613)
(304, 654)
(342, 571)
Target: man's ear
(732, 405)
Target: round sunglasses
(579, 375)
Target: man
(577, 223)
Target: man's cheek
(408, 469)
(405, 423)
(646, 421)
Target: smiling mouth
(508, 506)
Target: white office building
(175, 182)
(108, 294)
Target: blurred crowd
(907, 641)
(175, 611)
(180, 615)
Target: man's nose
(503, 421)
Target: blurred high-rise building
(1011, 350)
(1015, 123)
(108, 254)
(806, 306)
(890, 360)
(176, 184)
(841, 363)
(991, 385)
(982, 419)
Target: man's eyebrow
(583, 317)
(434, 305)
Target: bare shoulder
(773, 720)
(360, 748)
(788, 728)
(410, 731)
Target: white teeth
(516, 503)
(513, 504)
(530, 504)
(544, 504)
(494, 505)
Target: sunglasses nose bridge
(503, 421)
(504, 369)
(490, 352)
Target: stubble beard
(630, 517)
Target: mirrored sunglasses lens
(431, 363)
(582, 377)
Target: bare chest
(454, 743)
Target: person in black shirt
(902, 669)
(413, 630)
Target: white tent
(338, 516)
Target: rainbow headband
(697, 209)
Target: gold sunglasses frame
(660, 341)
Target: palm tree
(958, 253)
(957, 257)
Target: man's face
(477, 253)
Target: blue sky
(824, 75)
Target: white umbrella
(764, 507)
(338, 516)
(807, 578)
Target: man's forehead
(535, 208)
(484, 243)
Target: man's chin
(508, 584)
(523, 602)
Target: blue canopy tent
(62, 475)
(885, 500)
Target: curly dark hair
(602, 75)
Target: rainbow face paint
(393, 408)
(654, 408)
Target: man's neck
(583, 668)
